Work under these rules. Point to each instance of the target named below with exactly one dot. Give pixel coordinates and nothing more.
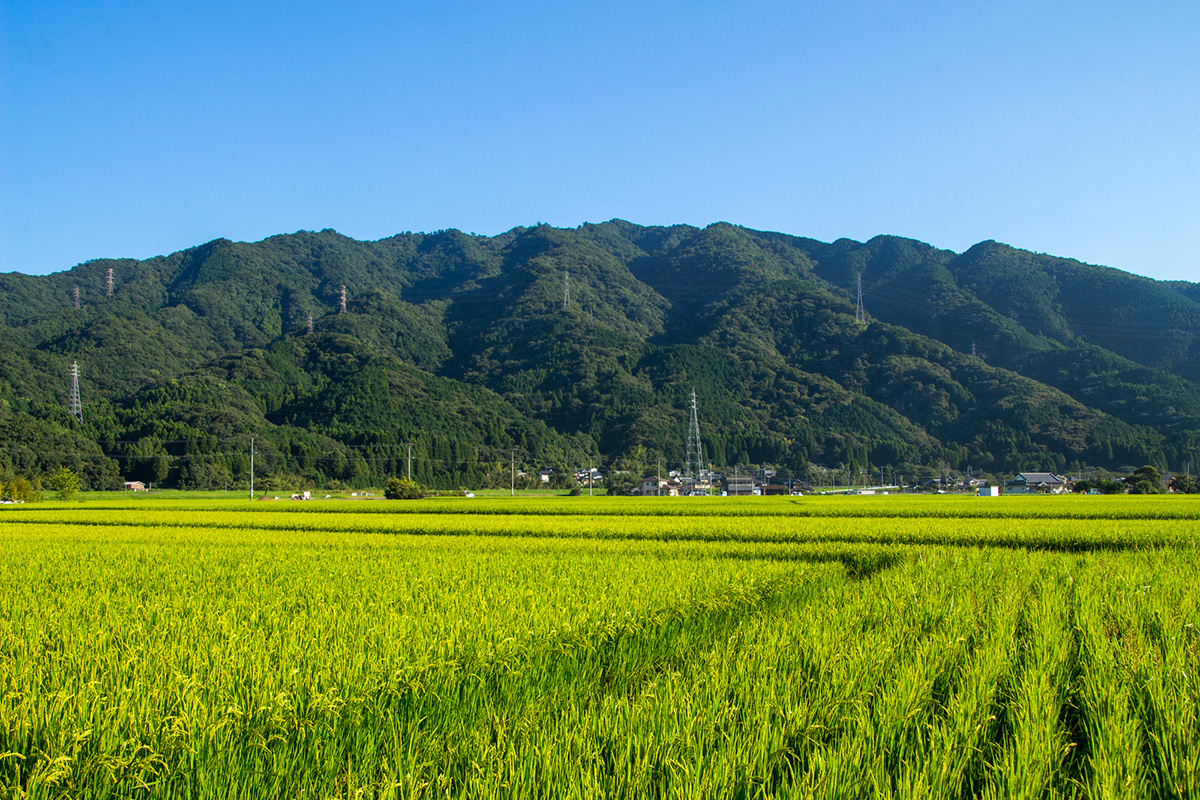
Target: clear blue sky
(140, 128)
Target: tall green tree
(64, 482)
(1144, 480)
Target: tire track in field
(676, 508)
(1081, 537)
(623, 661)
(543, 683)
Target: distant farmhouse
(590, 476)
(1037, 483)
(740, 484)
(658, 486)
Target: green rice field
(834, 647)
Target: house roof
(1038, 477)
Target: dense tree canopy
(469, 352)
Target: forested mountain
(562, 347)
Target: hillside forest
(461, 357)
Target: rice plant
(505, 650)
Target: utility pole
(658, 479)
(410, 461)
(512, 474)
(252, 466)
(75, 295)
(74, 406)
(342, 302)
(591, 470)
(108, 289)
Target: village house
(594, 476)
(740, 484)
(1036, 483)
(654, 485)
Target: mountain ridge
(995, 358)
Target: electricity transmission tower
(74, 406)
(75, 295)
(859, 315)
(310, 324)
(694, 461)
(342, 303)
(567, 292)
(108, 284)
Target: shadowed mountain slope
(578, 344)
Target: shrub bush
(403, 489)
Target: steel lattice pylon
(74, 406)
(859, 314)
(694, 463)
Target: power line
(973, 308)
